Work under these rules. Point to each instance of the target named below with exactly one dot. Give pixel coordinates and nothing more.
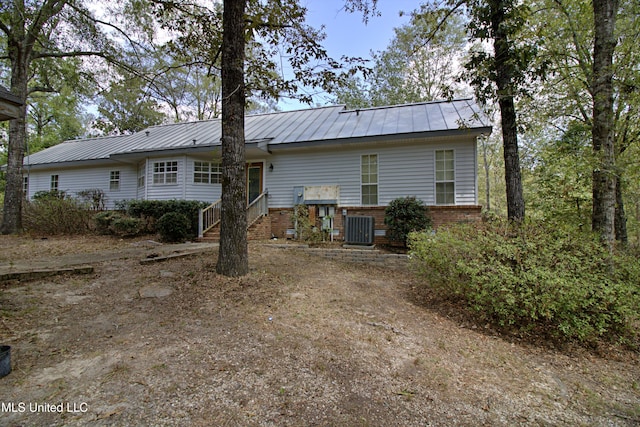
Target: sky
(348, 35)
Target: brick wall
(440, 215)
(260, 230)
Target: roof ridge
(92, 138)
(298, 110)
(409, 104)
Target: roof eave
(138, 154)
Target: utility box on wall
(359, 230)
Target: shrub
(173, 227)
(49, 195)
(53, 214)
(103, 221)
(403, 216)
(126, 226)
(305, 230)
(536, 280)
(150, 211)
(93, 198)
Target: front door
(254, 181)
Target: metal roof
(313, 126)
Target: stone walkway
(81, 263)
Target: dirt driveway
(300, 341)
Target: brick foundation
(260, 230)
(440, 215)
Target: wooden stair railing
(258, 208)
(209, 217)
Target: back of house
(338, 162)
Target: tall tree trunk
(233, 258)
(504, 80)
(604, 176)
(12, 211)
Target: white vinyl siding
(75, 180)
(404, 169)
(200, 191)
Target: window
(54, 182)
(114, 180)
(369, 179)
(165, 172)
(25, 186)
(207, 173)
(445, 178)
(141, 174)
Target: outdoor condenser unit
(359, 230)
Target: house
(9, 105)
(340, 162)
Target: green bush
(150, 211)
(126, 226)
(51, 214)
(173, 227)
(403, 216)
(536, 280)
(103, 221)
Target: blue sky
(348, 35)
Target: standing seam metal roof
(314, 125)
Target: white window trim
(377, 178)
(209, 173)
(435, 177)
(164, 173)
(114, 184)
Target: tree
(33, 32)
(233, 258)
(412, 69)
(263, 28)
(500, 76)
(566, 34)
(501, 22)
(127, 107)
(604, 176)
(53, 118)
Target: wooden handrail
(210, 216)
(258, 208)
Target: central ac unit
(359, 230)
